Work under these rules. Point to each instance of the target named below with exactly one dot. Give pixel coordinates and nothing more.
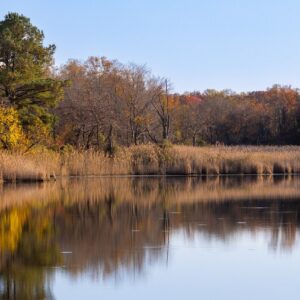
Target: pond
(151, 238)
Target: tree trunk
(194, 139)
(109, 142)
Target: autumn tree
(26, 82)
(91, 111)
(138, 92)
(188, 119)
(163, 103)
(11, 133)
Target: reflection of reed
(154, 189)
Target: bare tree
(163, 104)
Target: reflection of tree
(114, 225)
(284, 220)
(105, 238)
(223, 220)
(23, 272)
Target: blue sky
(198, 44)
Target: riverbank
(152, 160)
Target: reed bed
(152, 160)
(234, 160)
(15, 167)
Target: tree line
(100, 103)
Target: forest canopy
(99, 103)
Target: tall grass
(152, 160)
(34, 167)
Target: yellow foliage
(11, 133)
(11, 225)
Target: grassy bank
(152, 160)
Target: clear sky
(198, 44)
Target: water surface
(151, 238)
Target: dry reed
(152, 160)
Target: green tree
(26, 82)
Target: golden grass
(152, 160)
(17, 167)
(234, 160)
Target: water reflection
(107, 228)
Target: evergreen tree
(26, 82)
